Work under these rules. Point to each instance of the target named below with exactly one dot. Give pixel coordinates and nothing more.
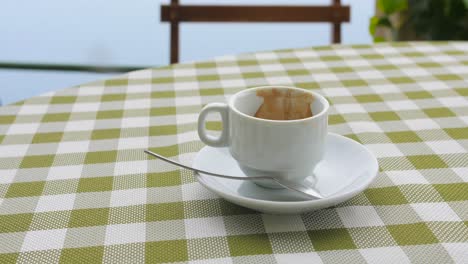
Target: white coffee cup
(288, 149)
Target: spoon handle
(202, 171)
(306, 191)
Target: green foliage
(426, 19)
(389, 7)
(378, 21)
(439, 19)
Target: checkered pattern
(75, 184)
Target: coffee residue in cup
(283, 104)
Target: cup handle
(223, 139)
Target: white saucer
(346, 170)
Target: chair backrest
(176, 13)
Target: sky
(122, 32)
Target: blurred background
(129, 33)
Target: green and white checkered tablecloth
(75, 185)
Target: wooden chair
(176, 13)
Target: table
(75, 184)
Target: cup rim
(318, 96)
